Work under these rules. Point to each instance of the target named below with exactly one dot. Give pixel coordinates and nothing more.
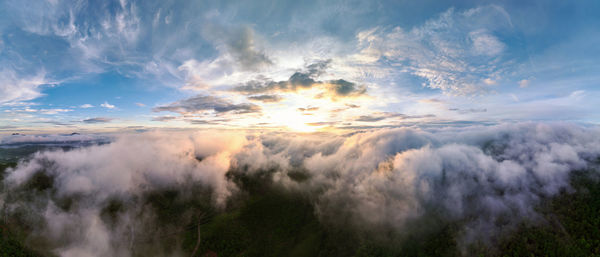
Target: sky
(304, 66)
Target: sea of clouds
(487, 178)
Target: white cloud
(53, 111)
(15, 88)
(489, 81)
(380, 179)
(577, 95)
(85, 106)
(106, 38)
(486, 44)
(241, 58)
(455, 52)
(107, 105)
(136, 164)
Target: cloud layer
(487, 179)
(304, 80)
(208, 103)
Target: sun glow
(292, 120)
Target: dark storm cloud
(208, 103)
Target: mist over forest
(427, 192)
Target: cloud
(97, 120)
(54, 122)
(54, 111)
(470, 110)
(483, 43)
(524, 83)
(486, 180)
(140, 104)
(74, 139)
(15, 88)
(299, 79)
(41, 111)
(206, 122)
(454, 52)
(266, 98)
(379, 116)
(304, 80)
(137, 166)
(164, 118)
(85, 106)
(322, 123)
(8, 127)
(241, 44)
(237, 44)
(344, 88)
(238, 57)
(432, 101)
(107, 105)
(308, 109)
(208, 103)
(476, 176)
(97, 35)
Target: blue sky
(298, 65)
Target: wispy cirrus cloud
(457, 52)
(54, 111)
(15, 88)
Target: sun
(292, 120)
(301, 127)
